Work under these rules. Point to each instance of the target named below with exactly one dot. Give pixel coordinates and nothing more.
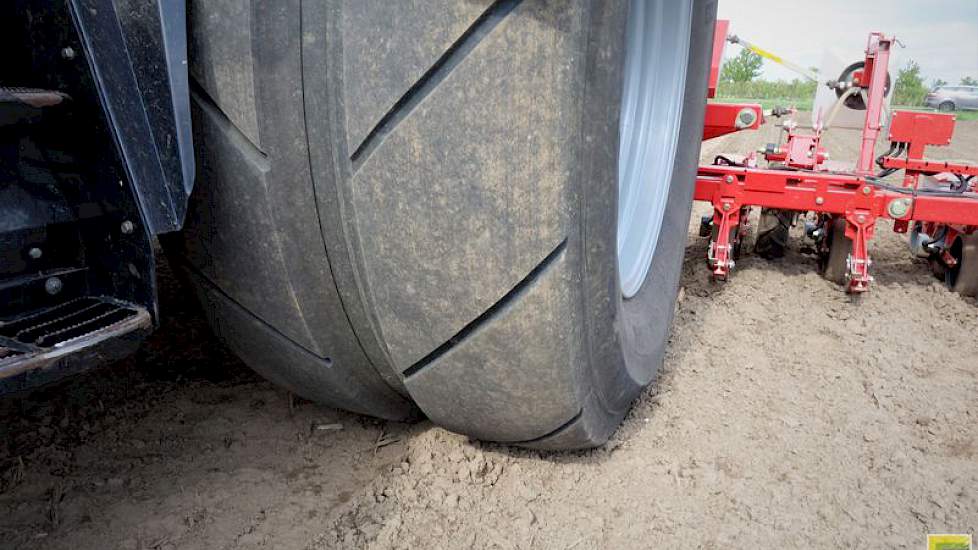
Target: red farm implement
(935, 202)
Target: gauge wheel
(772, 233)
(963, 277)
(837, 249)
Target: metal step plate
(48, 344)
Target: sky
(940, 35)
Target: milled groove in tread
(433, 77)
(207, 103)
(207, 282)
(319, 219)
(555, 431)
(514, 294)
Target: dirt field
(784, 417)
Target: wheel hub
(657, 50)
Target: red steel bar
(875, 70)
(826, 193)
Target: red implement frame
(801, 183)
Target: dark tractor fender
(138, 55)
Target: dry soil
(785, 417)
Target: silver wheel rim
(656, 55)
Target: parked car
(951, 98)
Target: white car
(951, 98)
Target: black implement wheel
(838, 247)
(401, 207)
(772, 233)
(856, 101)
(963, 277)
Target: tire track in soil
(784, 415)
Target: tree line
(740, 78)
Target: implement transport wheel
(476, 210)
(772, 233)
(963, 277)
(838, 247)
(848, 75)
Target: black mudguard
(138, 55)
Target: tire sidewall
(626, 339)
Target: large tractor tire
(476, 209)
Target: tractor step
(25, 105)
(44, 345)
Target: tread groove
(430, 80)
(206, 282)
(514, 294)
(577, 416)
(207, 103)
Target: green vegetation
(739, 84)
(743, 68)
(960, 115)
(910, 88)
(766, 104)
(780, 92)
(805, 104)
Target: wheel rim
(656, 55)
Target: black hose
(915, 192)
(962, 184)
(879, 159)
(721, 160)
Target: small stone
(329, 427)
